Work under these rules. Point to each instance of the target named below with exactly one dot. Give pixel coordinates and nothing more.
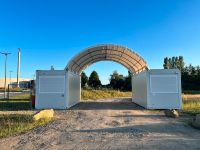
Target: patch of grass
(21, 96)
(191, 103)
(98, 94)
(19, 102)
(11, 89)
(13, 124)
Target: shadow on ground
(15, 105)
(159, 128)
(106, 106)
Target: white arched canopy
(126, 57)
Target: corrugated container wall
(158, 89)
(73, 89)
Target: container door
(51, 91)
(164, 91)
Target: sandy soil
(109, 124)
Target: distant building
(23, 82)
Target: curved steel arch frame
(108, 52)
(122, 55)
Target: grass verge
(11, 89)
(15, 105)
(191, 103)
(18, 102)
(13, 124)
(99, 94)
(21, 96)
(17, 123)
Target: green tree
(127, 82)
(190, 75)
(170, 63)
(119, 82)
(198, 71)
(166, 64)
(181, 63)
(174, 63)
(94, 81)
(116, 80)
(84, 79)
(114, 77)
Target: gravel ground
(109, 124)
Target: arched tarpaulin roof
(126, 57)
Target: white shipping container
(51, 89)
(57, 89)
(157, 89)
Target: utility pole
(5, 54)
(10, 76)
(18, 68)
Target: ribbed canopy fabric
(107, 52)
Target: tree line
(190, 75)
(117, 81)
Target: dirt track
(109, 124)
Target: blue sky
(51, 32)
